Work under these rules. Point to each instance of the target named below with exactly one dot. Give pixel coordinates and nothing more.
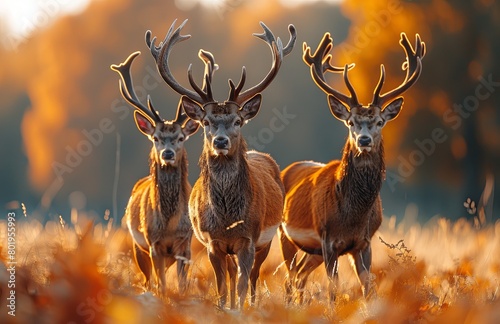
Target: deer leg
(246, 257)
(183, 267)
(289, 252)
(168, 262)
(362, 263)
(330, 256)
(232, 268)
(260, 256)
(219, 264)
(161, 262)
(307, 264)
(159, 268)
(144, 262)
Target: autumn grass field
(83, 272)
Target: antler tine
(412, 65)
(319, 63)
(180, 116)
(153, 110)
(161, 54)
(210, 68)
(293, 38)
(235, 90)
(127, 88)
(205, 96)
(324, 48)
(378, 88)
(278, 54)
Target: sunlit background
(57, 91)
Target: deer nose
(221, 142)
(168, 155)
(364, 140)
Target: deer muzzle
(221, 145)
(364, 143)
(167, 157)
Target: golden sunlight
(22, 18)
(295, 3)
(222, 4)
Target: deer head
(364, 122)
(222, 121)
(167, 136)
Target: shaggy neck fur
(227, 181)
(170, 181)
(360, 179)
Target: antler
(161, 54)
(412, 65)
(278, 51)
(320, 63)
(127, 88)
(127, 91)
(210, 68)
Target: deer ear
(338, 109)
(190, 127)
(392, 110)
(145, 125)
(192, 109)
(251, 107)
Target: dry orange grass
(444, 272)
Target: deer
(334, 209)
(237, 202)
(157, 211)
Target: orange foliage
(86, 273)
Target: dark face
(222, 122)
(365, 123)
(364, 126)
(168, 138)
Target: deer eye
(181, 139)
(237, 122)
(350, 123)
(155, 138)
(205, 123)
(380, 123)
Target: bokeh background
(68, 140)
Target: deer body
(237, 203)
(335, 209)
(235, 208)
(228, 202)
(157, 218)
(157, 211)
(337, 204)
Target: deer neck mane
(170, 182)
(227, 179)
(360, 179)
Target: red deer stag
(334, 209)
(157, 212)
(237, 203)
